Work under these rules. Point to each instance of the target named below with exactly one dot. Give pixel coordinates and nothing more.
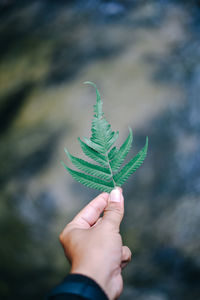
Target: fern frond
(106, 174)
(113, 139)
(94, 146)
(121, 154)
(112, 153)
(132, 166)
(90, 181)
(89, 168)
(91, 153)
(98, 106)
(102, 133)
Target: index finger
(89, 215)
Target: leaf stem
(110, 170)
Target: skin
(93, 244)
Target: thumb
(114, 211)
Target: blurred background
(145, 58)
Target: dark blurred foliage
(21, 277)
(161, 225)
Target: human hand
(93, 245)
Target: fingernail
(115, 195)
(119, 188)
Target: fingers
(114, 212)
(126, 256)
(89, 215)
(97, 222)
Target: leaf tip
(67, 153)
(90, 83)
(130, 129)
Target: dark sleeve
(77, 287)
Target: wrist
(94, 274)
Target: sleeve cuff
(79, 285)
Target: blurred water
(144, 56)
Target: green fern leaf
(112, 153)
(132, 166)
(94, 146)
(90, 181)
(98, 105)
(112, 139)
(89, 168)
(121, 154)
(102, 133)
(106, 174)
(91, 153)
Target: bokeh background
(145, 58)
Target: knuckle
(114, 210)
(65, 232)
(118, 211)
